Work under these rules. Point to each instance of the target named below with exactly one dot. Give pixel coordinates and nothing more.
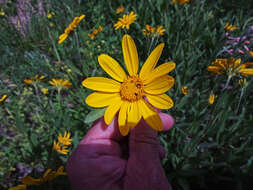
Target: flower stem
(227, 83)
(151, 44)
(78, 45)
(37, 92)
(55, 49)
(241, 95)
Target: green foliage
(208, 145)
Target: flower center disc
(132, 89)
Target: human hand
(106, 160)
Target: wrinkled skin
(105, 160)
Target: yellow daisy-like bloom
(120, 10)
(251, 53)
(160, 30)
(59, 148)
(49, 15)
(2, 13)
(92, 36)
(230, 27)
(19, 187)
(70, 28)
(65, 140)
(231, 67)
(3, 98)
(128, 94)
(180, 2)
(95, 32)
(184, 90)
(49, 175)
(150, 30)
(211, 98)
(60, 83)
(34, 79)
(44, 91)
(28, 180)
(125, 21)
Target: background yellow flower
(125, 21)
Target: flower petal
(151, 61)
(159, 71)
(112, 67)
(133, 115)
(159, 85)
(130, 55)
(101, 84)
(237, 62)
(246, 72)
(150, 116)
(162, 101)
(62, 38)
(123, 127)
(101, 99)
(112, 109)
(215, 69)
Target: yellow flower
(251, 53)
(50, 175)
(120, 10)
(34, 79)
(211, 98)
(180, 2)
(230, 27)
(47, 176)
(59, 148)
(51, 24)
(44, 90)
(62, 140)
(230, 67)
(60, 83)
(92, 36)
(19, 187)
(49, 15)
(65, 140)
(128, 95)
(3, 98)
(95, 32)
(100, 28)
(60, 171)
(160, 30)
(150, 30)
(2, 13)
(184, 90)
(125, 21)
(28, 180)
(70, 28)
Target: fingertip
(167, 120)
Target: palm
(101, 160)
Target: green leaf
(94, 115)
(34, 139)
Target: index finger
(100, 131)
